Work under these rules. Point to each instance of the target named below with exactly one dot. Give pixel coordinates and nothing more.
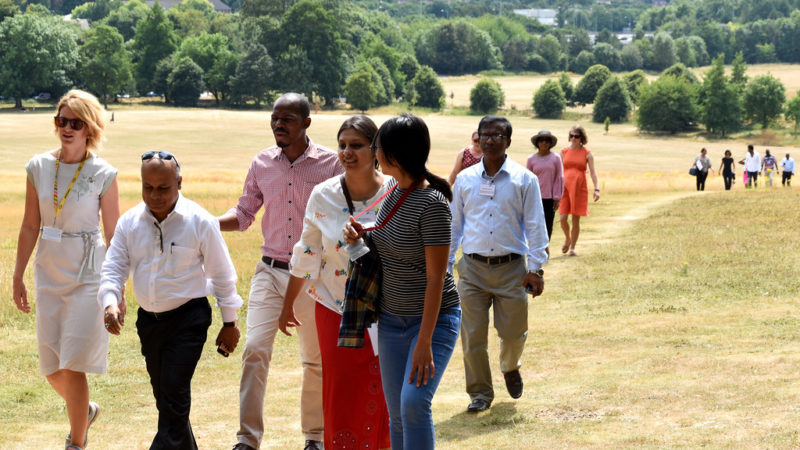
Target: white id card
(51, 234)
(368, 217)
(486, 190)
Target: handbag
(693, 171)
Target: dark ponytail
(406, 142)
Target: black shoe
(313, 445)
(478, 404)
(242, 446)
(513, 383)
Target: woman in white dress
(69, 190)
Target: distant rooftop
(544, 16)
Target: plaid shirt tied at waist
(363, 290)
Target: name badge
(487, 190)
(369, 217)
(51, 234)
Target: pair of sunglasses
(161, 155)
(75, 124)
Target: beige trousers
(482, 287)
(267, 289)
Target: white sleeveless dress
(69, 317)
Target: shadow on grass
(465, 425)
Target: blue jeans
(411, 420)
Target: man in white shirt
(788, 170)
(498, 220)
(752, 165)
(176, 253)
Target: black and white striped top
(422, 220)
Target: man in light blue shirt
(498, 220)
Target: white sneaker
(94, 411)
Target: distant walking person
(727, 170)
(467, 157)
(752, 165)
(548, 168)
(703, 164)
(70, 192)
(788, 171)
(575, 200)
(175, 252)
(769, 165)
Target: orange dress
(576, 193)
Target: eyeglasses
(75, 124)
(493, 137)
(161, 155)
(574, 136)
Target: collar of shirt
(502, 168)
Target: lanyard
(58, 206)
(352, 208)
(394, 209)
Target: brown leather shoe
(513, 383)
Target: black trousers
(549, 215)
(786, 177)
(701, 180)
(728, 178)
(172, 343)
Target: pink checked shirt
(283, 188)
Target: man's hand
(228, 338)
(114, 319)
(535, 282)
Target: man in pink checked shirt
(281, 179)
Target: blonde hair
(88, 109)
(579, 129)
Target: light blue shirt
(504, 216)
(788, 165)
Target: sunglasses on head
(161, 155)
(75, 124)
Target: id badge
(487, 190)
(368, 217)
(51, 234)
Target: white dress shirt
(495, 216)
(172, 262)
(788, 165)
(752, 163)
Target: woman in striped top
(420, 314)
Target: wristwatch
(229, 324)
(539, 272)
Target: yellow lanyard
(58, 206)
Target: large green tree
(153, 41)
(8, 8)
(633, 83)
(186, 83)
(126, 17)
(664, 54)
(361, 91)
(36, 52)
(612, 101)
(457, 47)
(211, 53)
(313, 27)
(667, 104)
(592, 80)
(763, 99)
(105, 63)
(792, 112)
(252, 80)
(427, 90)
(721, 106)
(549, 101)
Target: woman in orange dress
(575, 200)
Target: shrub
(486, 96)
(612, 101)
(549, 101)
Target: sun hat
(544, 134)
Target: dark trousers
(701, 180)
(752, 179)
(786, 178)
(172, 343)
(728, 178)
(549, 215)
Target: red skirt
(353, 405)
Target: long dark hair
(406, 142)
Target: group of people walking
(319, 205)
(753, 164)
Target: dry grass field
(677, 326)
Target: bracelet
(597, 190)
(229, 324)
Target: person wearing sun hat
(548, 169)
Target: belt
(167, 314)
(494, 260)
(87, 261)
(275, 263)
